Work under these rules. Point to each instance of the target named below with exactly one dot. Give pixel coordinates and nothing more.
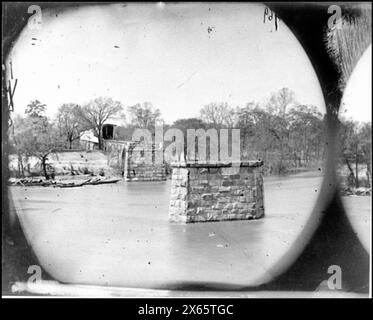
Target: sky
(357, 97)
(177, 56)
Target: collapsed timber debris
(60, 184)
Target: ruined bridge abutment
(133, 165)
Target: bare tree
(144, 115)
(356, 141)
(281, 101)
(218, 114)
(68, 122)
(94, 114)
(36, 136)
(35, 109)
(16, 139)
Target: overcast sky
(357, 98)
(177, 56)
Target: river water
(359, 212)
(119, 234)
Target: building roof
(88, 136)
(116, 121)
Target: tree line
(355, 145)
(285, 134)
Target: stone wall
(135, 166)
(216, 192)
(114, 151)
(143, 167)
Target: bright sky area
(357, 98)
(177, 56)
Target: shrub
(101, 172)
(85, 170)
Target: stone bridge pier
(216, 192)
(135, 166)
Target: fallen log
(96, 181)
(104, 181)
(72, 184)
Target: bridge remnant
(135, 166)
(216, 191)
